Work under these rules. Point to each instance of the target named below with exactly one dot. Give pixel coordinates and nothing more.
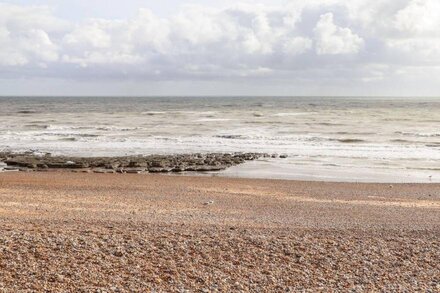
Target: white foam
(212, 119)
(285, 114)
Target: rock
(190, 168)
(158, 164)
(158, 170)
(113, 165)
(208, 203)
(178, 169)
(283, 156)
(132, 164)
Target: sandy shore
(131, 232)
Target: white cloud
(296, 45)
(419, 17)
(332, 39)
(417, 25)
(24, 35)
(318, 41)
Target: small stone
(118, 253)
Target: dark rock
(113, 165)
(131, 164)
(158, 164)
(159, 170)
(178, 169)
(134, 164)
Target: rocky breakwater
(127, 164)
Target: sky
(170, 47)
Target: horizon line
(216, 96)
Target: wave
(408, 141)
(36, 126)
(403, 140)
(284, 114)
(68, 139)
(27, 112)
(290, 138)
(66, 127)
(348, 140)
(325, 124)
(418, 134)
(352, 133)
(115, 128)
(423, 168)
(74, 128)
(153, 113)
(67, 134)
(232, 136)
(212, 119)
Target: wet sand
(133, 232)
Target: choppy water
(343, 139)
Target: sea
(350, 139)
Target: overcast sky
(170, 47)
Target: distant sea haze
(335, 139)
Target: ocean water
(335, 139)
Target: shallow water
(336, 139)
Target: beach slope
(130, 232)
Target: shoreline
(229, 165)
